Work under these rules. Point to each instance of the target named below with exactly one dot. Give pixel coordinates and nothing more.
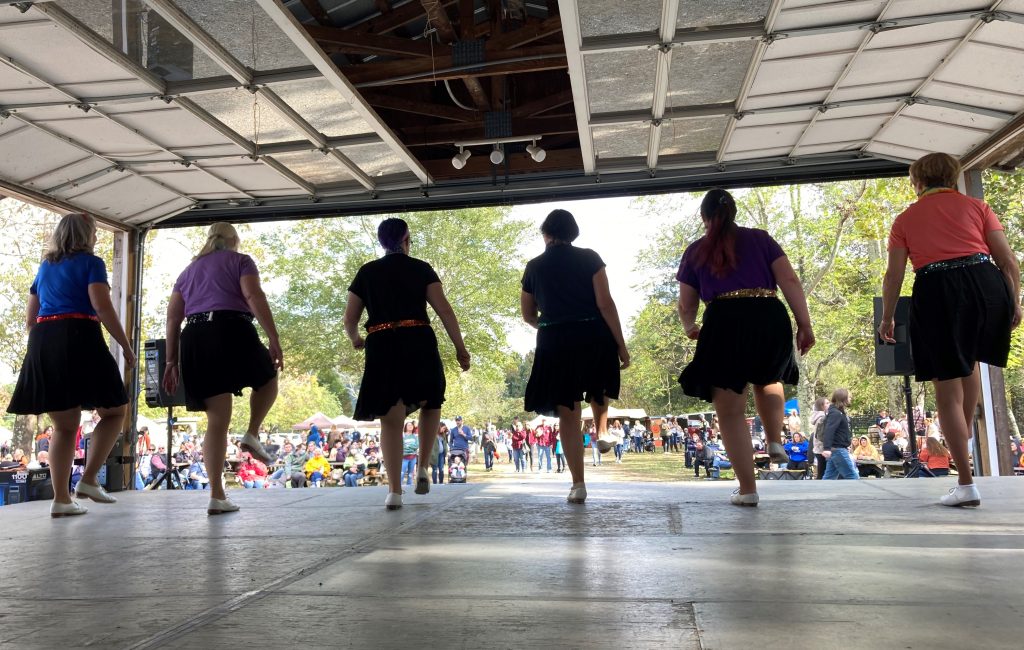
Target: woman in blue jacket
(797, 451)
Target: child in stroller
(457, 466)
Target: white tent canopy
(318, 418)
(617, 413)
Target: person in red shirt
(545, 440)
(935, 457)
(518, 442)
(251, 472)
(965, 301)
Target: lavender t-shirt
(212, 282)
(755, 252)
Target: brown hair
(840, 399)
(936, 170)
(718, 250)
(73, 234)
(935, 448)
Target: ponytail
(221, 236)
(718, 250)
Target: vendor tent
(318, 418)
(343, 422)
(617, 413)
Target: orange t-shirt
(933, 462)
(943, 226)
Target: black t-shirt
(394, 288)
(891, 451)
(562, 282)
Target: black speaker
(894, 359)
(156, 355)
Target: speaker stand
(914, 468)
(171, 469)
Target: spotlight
(536, 152)
(459, 161)
(497, 156)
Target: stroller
(457, 466)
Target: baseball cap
(458, 418)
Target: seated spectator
(353, 474)
(42, 460)
(8, 462)
(317, 468)
(864, 450)
(293, 473)
(336, 451)
(251, 472)
(797, 450)
(232, 448)
(20, 457)
(196, 477)
(158, 464)
(890, 450)
(935, 457)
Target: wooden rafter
(544, 104)
(438, 17)
(449, 133)
(381, 100)
(383, 6)
(467, 19)
(526, 34)
(396, 18)
(427, 70)
(317, 11)
(335, 39)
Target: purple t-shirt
(213, 282)
(755, 252)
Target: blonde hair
(73, 234)
(936, 170)
(221, 236)
(840, 398)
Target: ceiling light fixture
(536, 152)
(459, 160)
(497, 155)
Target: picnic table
(888, 467)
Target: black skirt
(67, 365)
(742, 341)
(220, 356)
(401, 364)
(958, 317)
(574, 362)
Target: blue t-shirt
(63, 287)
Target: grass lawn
(635, 467)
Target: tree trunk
(25, 429)
(1014, 430)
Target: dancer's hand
(276, 354)
(463, 358)
(804, 338)
(886, 329)
(170, 378)
(1017, 313)
(692, 332)
(129, 357)
(358, 343)
(623, 357)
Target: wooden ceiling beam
(450, 133)
(544, 104)
(467, 19)
(526, 34)
(317, 11)
(431, 69)
(399, 17)
(438, 17)
(336, 39)
(381, 100)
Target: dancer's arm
(687, 306)
(892, 282)
(32, 311)
(1009, 266)
(353, 312)
(257, 301)
(175, 314)
(99, 296)
(610, 314)
(793, 290)
(444, 311)
(528, 307)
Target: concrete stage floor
(867, 564)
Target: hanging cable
(255, 95)
(457, 102)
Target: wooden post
(993, 423)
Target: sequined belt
(955, 263)
(219, 314)
(379, 327)
(759, 292)
(43, 319)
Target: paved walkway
(866, 564)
